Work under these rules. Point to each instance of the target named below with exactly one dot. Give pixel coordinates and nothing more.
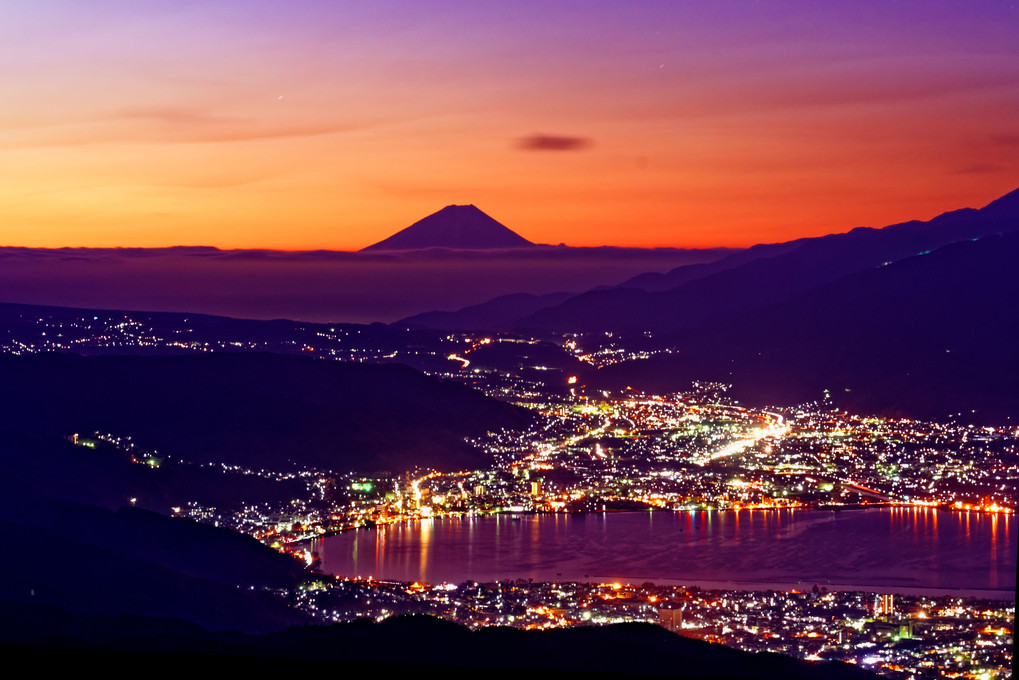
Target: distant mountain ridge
(694, 294)
(455, 226)
(774, 276)
(490, 314)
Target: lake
(909, 550)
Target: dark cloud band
(553, 143)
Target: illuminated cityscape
(917, 636)
(451, 337)
(591, 450)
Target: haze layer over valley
(456, 257)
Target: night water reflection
(899, 548)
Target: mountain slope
(927, 336)
(488, 315)
(766, 280)
(255, 409)
(656, 281)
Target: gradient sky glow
(307, 125)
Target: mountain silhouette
(455, 226)
(928, 336)
(695, 294)
(777, 272)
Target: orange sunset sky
(330, 125)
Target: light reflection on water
(904, 548)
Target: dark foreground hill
(413, 644)
(121, 566)
(257, 410)
(108, 558)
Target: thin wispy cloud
(979, 169)
(169, 124)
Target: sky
(330, 125)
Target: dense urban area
(593, 450)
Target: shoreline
(749, 585)
(746, 586)
(516, 514)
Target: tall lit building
(671, 619)
(884, 605)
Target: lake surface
(898, 549)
